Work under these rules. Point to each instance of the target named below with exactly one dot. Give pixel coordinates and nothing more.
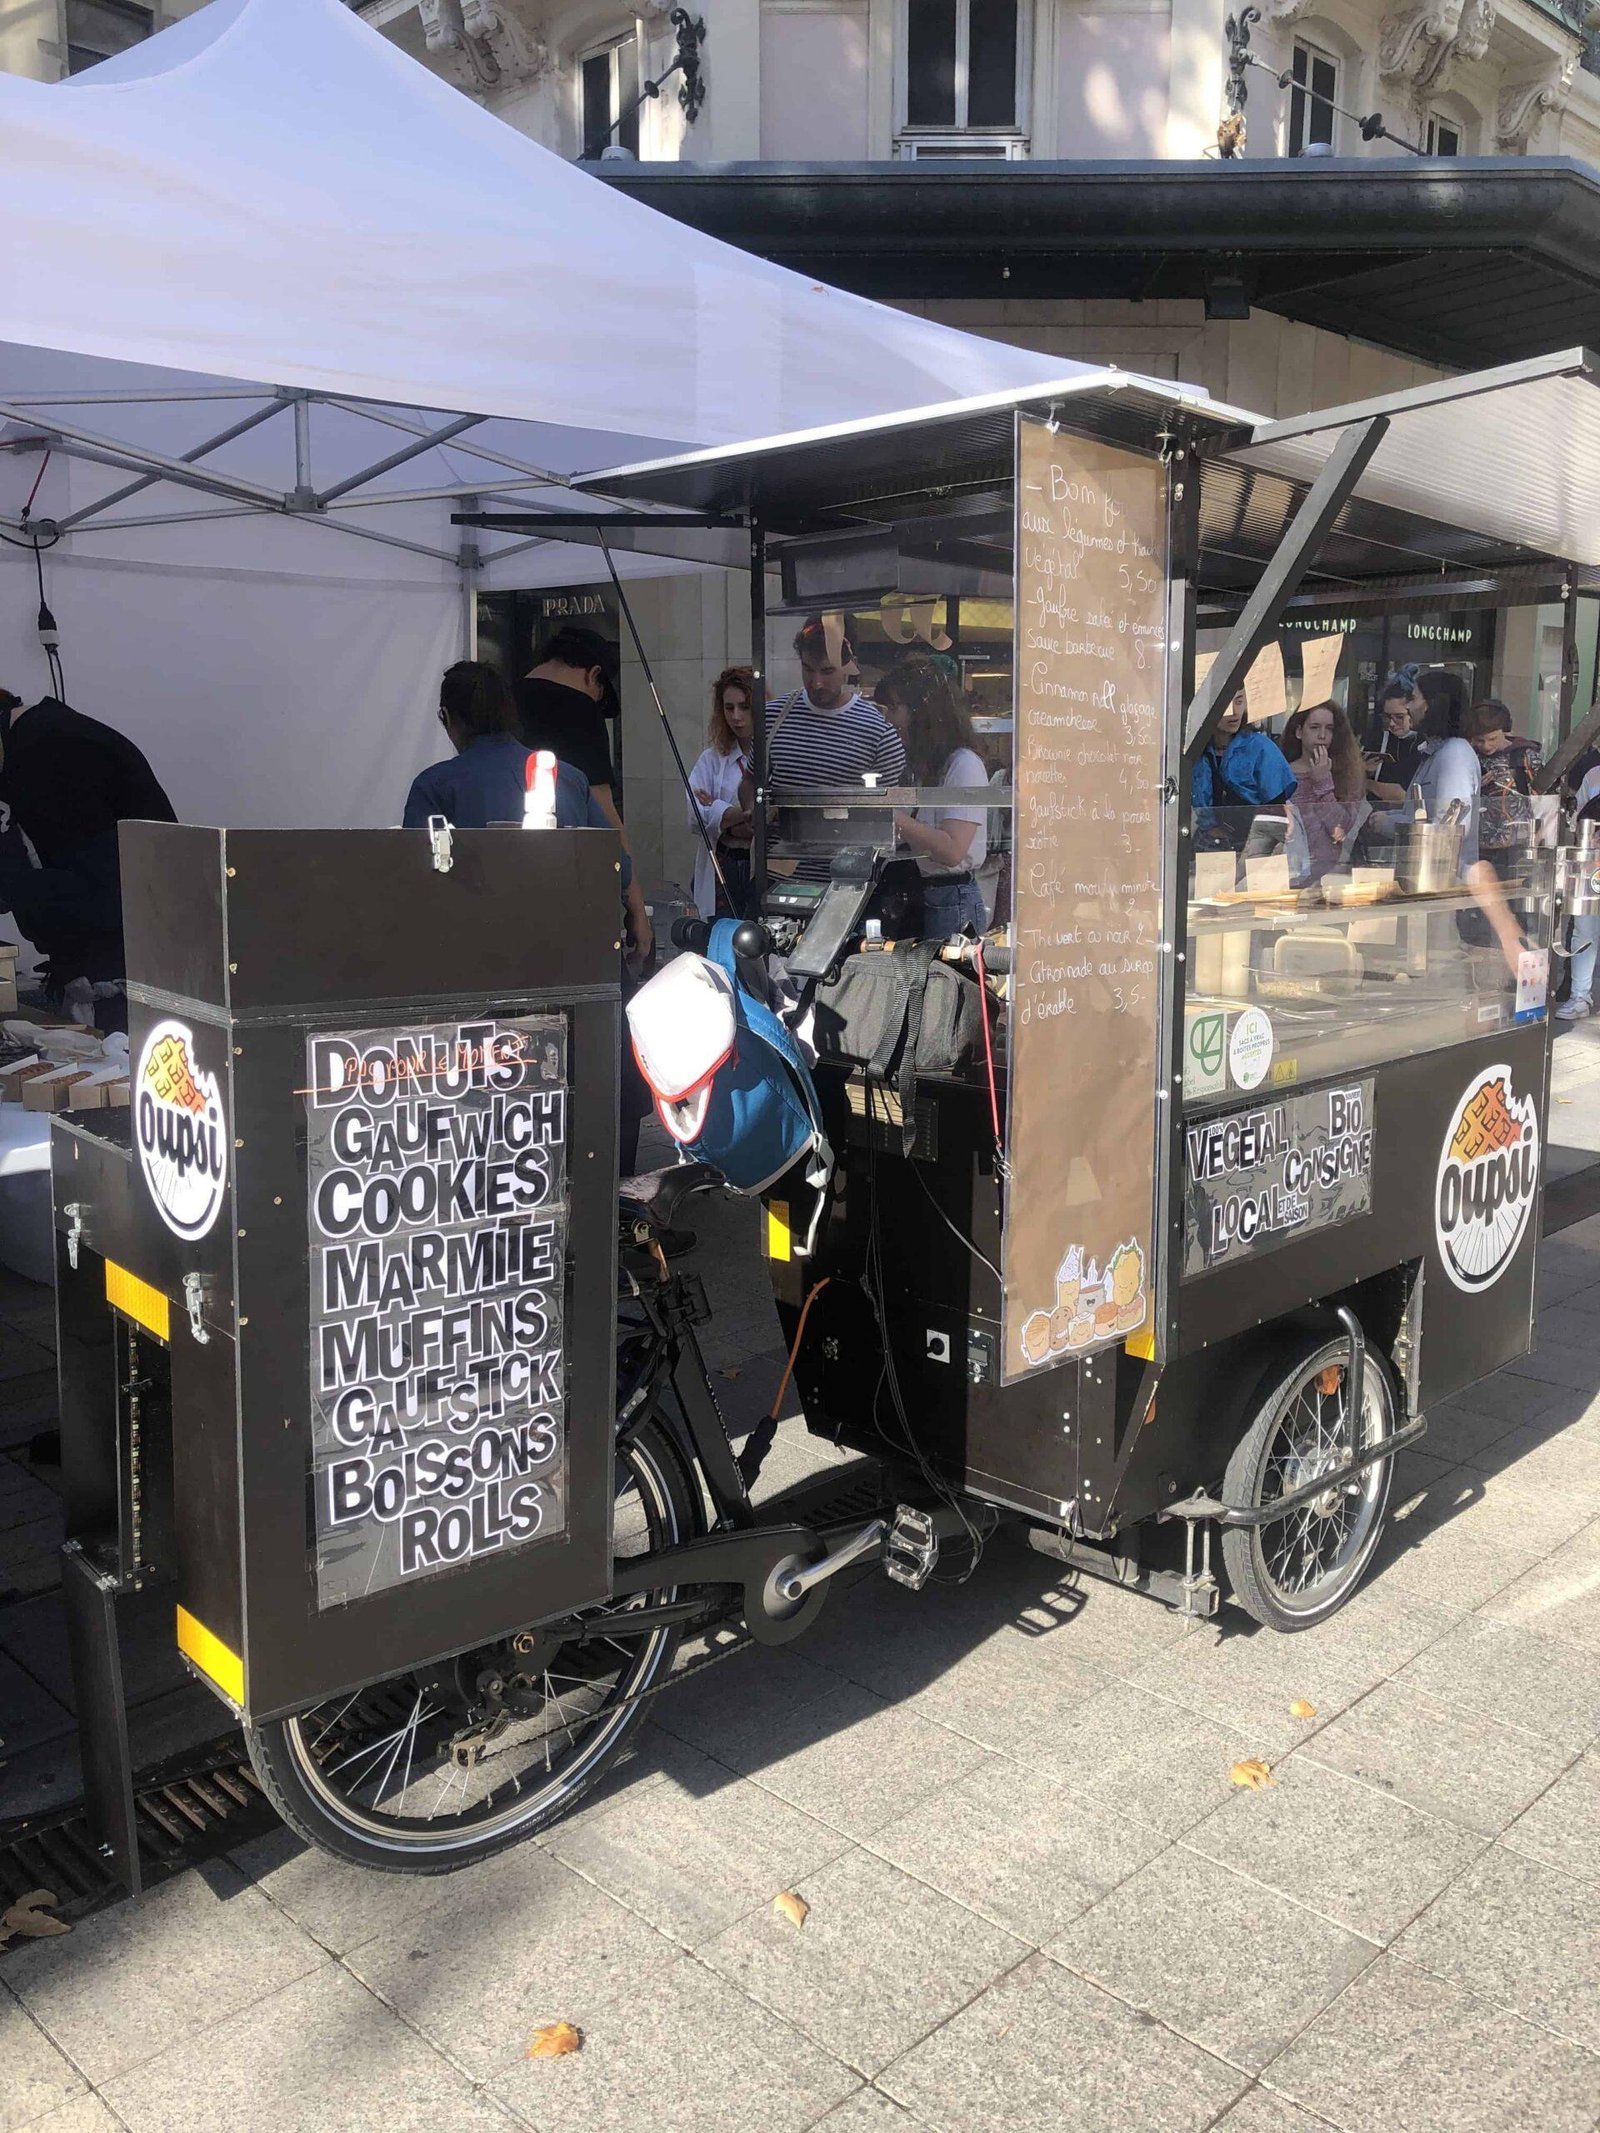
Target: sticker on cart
(1250, 1049)
(1093, 1304)
(1488, 1180)
(1533, 984)
(1281, 1171)
(181, 1130)
(1205, 1055)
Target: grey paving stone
(869, 2111)
(21, 1357)
(506, 1951)
(1259, 2111)
(28, 1714)
(339, 1906)
(1043, 2051)
(34, 2076)
(1012, 1692)
(1456, 1764)
(1139, 1756)
(1103, 1626)
(30, 1555)
(1366, 1861)
(1562, 1827)
(1525, 1518)
(1445, 1563)
(319, 2054)
(698, 1850)
(1247, 1677)
(22, 1495)
(1378, 1629)
(1558, 1597)
(1017, 1847)
(85, 2114)
(1524, 1934)
(1514, 1676)
(1226, 1963)
(1456, 1429)
(130, 1982)
(880, 1960)
(846, 1757)
(1403, 2052)
(1571, 1364)
(1545, 1461)
(731, 1704)
(686, 2052)
(1516, 1399)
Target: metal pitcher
(1428, 854)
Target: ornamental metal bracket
(1237, 28)
(692, 89)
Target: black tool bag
(898, 1013)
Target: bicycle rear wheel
(435, 1769)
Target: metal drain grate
(187, 1810)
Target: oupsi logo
(1488, 1180)
(180, 1129)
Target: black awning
(1460, 262)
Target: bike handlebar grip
(691, 933)
(751, 939)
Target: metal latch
(439, 843)
(74, 1213)
(911, 1547)
(193, 1287)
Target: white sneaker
(1574, 1010)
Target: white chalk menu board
(1086, 898)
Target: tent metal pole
(371, 533)
(73, 442)
(456, 494)
(137, 399)
(149, 481)
(468, 559)
(392, 421)
(176, 518)
(398, 459)
(303, 492)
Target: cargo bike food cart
(1236, 1174)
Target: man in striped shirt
(827, 733)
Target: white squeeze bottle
(539, 799)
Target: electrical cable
(952, 1226)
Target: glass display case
(1293, 976)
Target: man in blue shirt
(1242, 767)
(484, 782)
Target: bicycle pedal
(911, 1548)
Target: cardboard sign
(436, 1181)
(1089, 747)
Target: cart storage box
(372, 1214)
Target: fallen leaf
(1251, 1775)
(557, 2040)
(1329, 1380)
(1301, 1709)
(730, 1370)
(29, 1918)
(793, 1907)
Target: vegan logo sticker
(1250, 1048)
(180, 1129)
(1488, 1180)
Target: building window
(1443, 137)
(97, 29)
(608, 87)
(1315, 78)
(963, 67)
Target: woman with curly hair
(720, 785)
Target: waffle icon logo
(179, 1126)
(1488, 1180)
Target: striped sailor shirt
(811, 747)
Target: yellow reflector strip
(1142, 1345)
(211, 1656)
(136, 1299)
(780, 1238)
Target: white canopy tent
(278, 302)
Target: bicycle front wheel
(433, 1770)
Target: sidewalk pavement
(1037, 1902)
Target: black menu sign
(437, 1215)
(1086, 897)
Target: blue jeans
(1585, 943)
(947, 906)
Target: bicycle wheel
(435, 1769)
(1295, 1570)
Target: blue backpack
(731, 1085)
